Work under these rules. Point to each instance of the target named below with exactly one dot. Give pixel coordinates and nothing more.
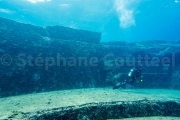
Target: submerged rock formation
(65, 33)
(92, 104)
(111, 110)
(36, 59)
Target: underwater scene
(89, 60)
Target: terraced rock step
(95, 103)
(35, 59)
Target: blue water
(128, 20)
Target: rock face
(175, 78)
(35, 59)
(65, 33)
(112, 110)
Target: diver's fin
(116, 87)
(120, 85)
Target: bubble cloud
(176, 1)
(126, 10)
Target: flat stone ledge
(94, 103)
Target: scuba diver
(134, 73)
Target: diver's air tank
(130, 73)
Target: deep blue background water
(128, 20)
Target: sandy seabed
(63, 98)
